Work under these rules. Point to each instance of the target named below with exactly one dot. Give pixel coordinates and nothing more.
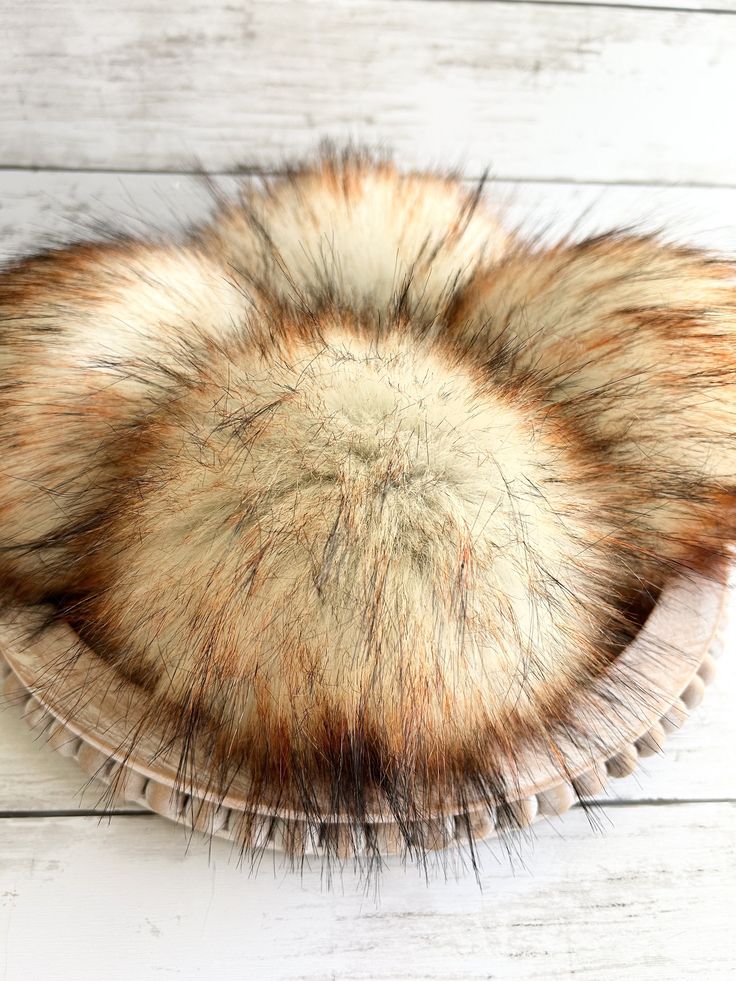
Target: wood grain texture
(41, 208)
(533, 90)
(647, 896)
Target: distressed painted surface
(531, 90)
(614, 94)
(647, 897)
(42, 208)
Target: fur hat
(364, 490)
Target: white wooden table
(588, 115)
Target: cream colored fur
(635, 340)
(86, 337)
(357, 482)
(362, 235)
(357, 530)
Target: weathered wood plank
(649, 898)
(532, 90)
(40, 208)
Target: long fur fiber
(364, 489)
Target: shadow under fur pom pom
(365, 492)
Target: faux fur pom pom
(363, 489)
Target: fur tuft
(362, 488)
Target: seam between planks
(595, 806)
(488, 177)
(649, 7)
